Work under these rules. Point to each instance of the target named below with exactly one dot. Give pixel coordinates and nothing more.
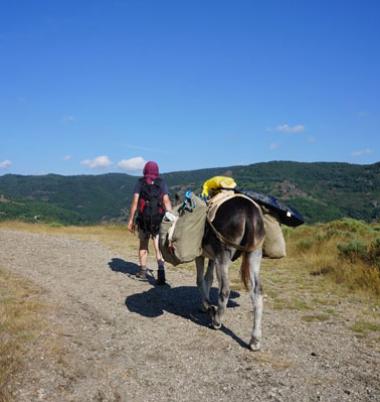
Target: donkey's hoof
(255, 344)
(215, 325)
(204, 308)
(212, 311)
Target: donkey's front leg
(224, 293)
(256, 297)
(203, 288)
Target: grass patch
(345, 252)
(315, 317)
(19, 327)
(363, 327)
(331, 311)
(290, 304)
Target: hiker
(150, 201)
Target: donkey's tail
(244, 270)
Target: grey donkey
(237, 230)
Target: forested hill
(320, 191)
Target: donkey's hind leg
(202, 284)
(209, 277)
(256, 297)
(221, 268)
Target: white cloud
(362, 152)
(285, 128)
(274, 145)
(98, 162)
(67, 157)
(136, 163)
(5, 164)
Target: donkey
(237, 230)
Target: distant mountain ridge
(321, 191)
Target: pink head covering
(151, 171)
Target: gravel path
(119, 339)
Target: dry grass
(117, 237)
(364, 327)
(20, 325)
(345, 252)
(315, 317)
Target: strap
(171, 230)
(230, 243)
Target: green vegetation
(315, 317)
(346, 250)
(320, 191)
(65, 199)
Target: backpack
(150, 207)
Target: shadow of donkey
(183, 301)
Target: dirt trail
(118, 339)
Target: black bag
(150, 207)
(288, 216)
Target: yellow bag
(215, 183)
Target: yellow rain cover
(217, 182)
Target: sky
(90, 87)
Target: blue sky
(102, 86)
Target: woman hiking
(150, 201)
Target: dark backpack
(150, 207)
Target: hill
(320, 191)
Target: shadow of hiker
(126, 267)
(129, 268)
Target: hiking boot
(161, 277)
(142, 274)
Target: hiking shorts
(144, 236)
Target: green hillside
(320, 191)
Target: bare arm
(167, 203)
(131, 223)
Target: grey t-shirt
(163, 187)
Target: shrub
(349, 225)
(304, 245)
(353, 251)
(374, 253)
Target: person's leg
(143, 254)
(160, 263)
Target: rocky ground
(111, 337)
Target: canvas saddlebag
(274, 243)
(180, 240)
